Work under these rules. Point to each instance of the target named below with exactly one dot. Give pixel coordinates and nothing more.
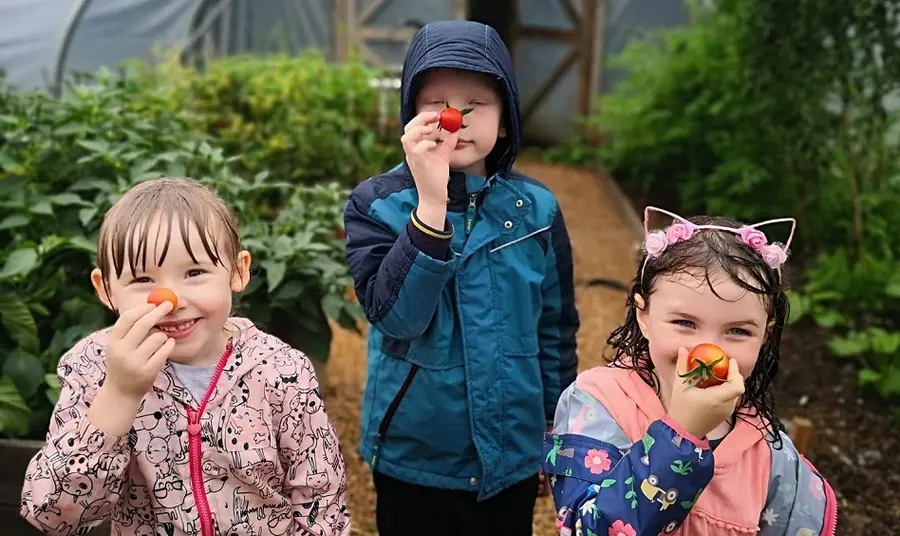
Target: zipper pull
(193, 422)
(375, 450)
(470, 214)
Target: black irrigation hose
(608, 283)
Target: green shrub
(302, 119)
(768, 109)
(63, 163)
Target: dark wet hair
(707, 252)
(179, 203)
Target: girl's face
(204, 290)
(685, 310)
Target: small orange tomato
(159, 295)
(707, 365)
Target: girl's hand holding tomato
(699, 410)
(134, 355)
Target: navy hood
(468, 46)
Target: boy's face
(464, 89)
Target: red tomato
(159, 295)
(707, 366)
(451, 119)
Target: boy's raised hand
(429, 158)
(700, 410)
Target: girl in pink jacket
(180, 419)
(642, 448)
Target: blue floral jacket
(603, 484)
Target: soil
(855, 441)
(605, 235)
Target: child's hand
(134, 359)
(429, 158)
(543, 485)
(698, 410)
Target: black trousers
(409, 510)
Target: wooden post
(801, 433)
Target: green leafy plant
(766, 109)
(300, 118)
(63, 163)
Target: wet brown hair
(706, 254)
(126, 226)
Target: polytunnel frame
(76, 14)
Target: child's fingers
(449, 145)
(144, 324)
(733, 387)
(423, 147)
(423, 118)
(149, 346)
(158, 360)
(735, 378)
(734, 370)
(414, 135)
(681, 366)
(127, 319)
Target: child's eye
(194, 272)
(683, 323)
(142, 279)
(739, 331)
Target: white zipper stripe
(539, 231)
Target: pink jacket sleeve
(76, 478)
(309, 450)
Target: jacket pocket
(516, 345)
(434, 349)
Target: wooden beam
(570, 10)
(386, 34)
(371, 11)
(560, 35)
(598, 51)
(460, 9)
(586, 26)
(561, 68)
(350, 37)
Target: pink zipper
(195, 454)
(829, 527)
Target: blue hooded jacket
(469, 348)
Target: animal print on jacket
(262, 460)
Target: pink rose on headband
(678, 232)
(655, 243)
(773, 254)
(753, 237)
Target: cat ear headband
(655, 242)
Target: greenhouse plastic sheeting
(109, 32)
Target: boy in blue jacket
(464, 270)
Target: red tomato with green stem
(707, 365)
(451, 119)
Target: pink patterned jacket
(257, 457)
